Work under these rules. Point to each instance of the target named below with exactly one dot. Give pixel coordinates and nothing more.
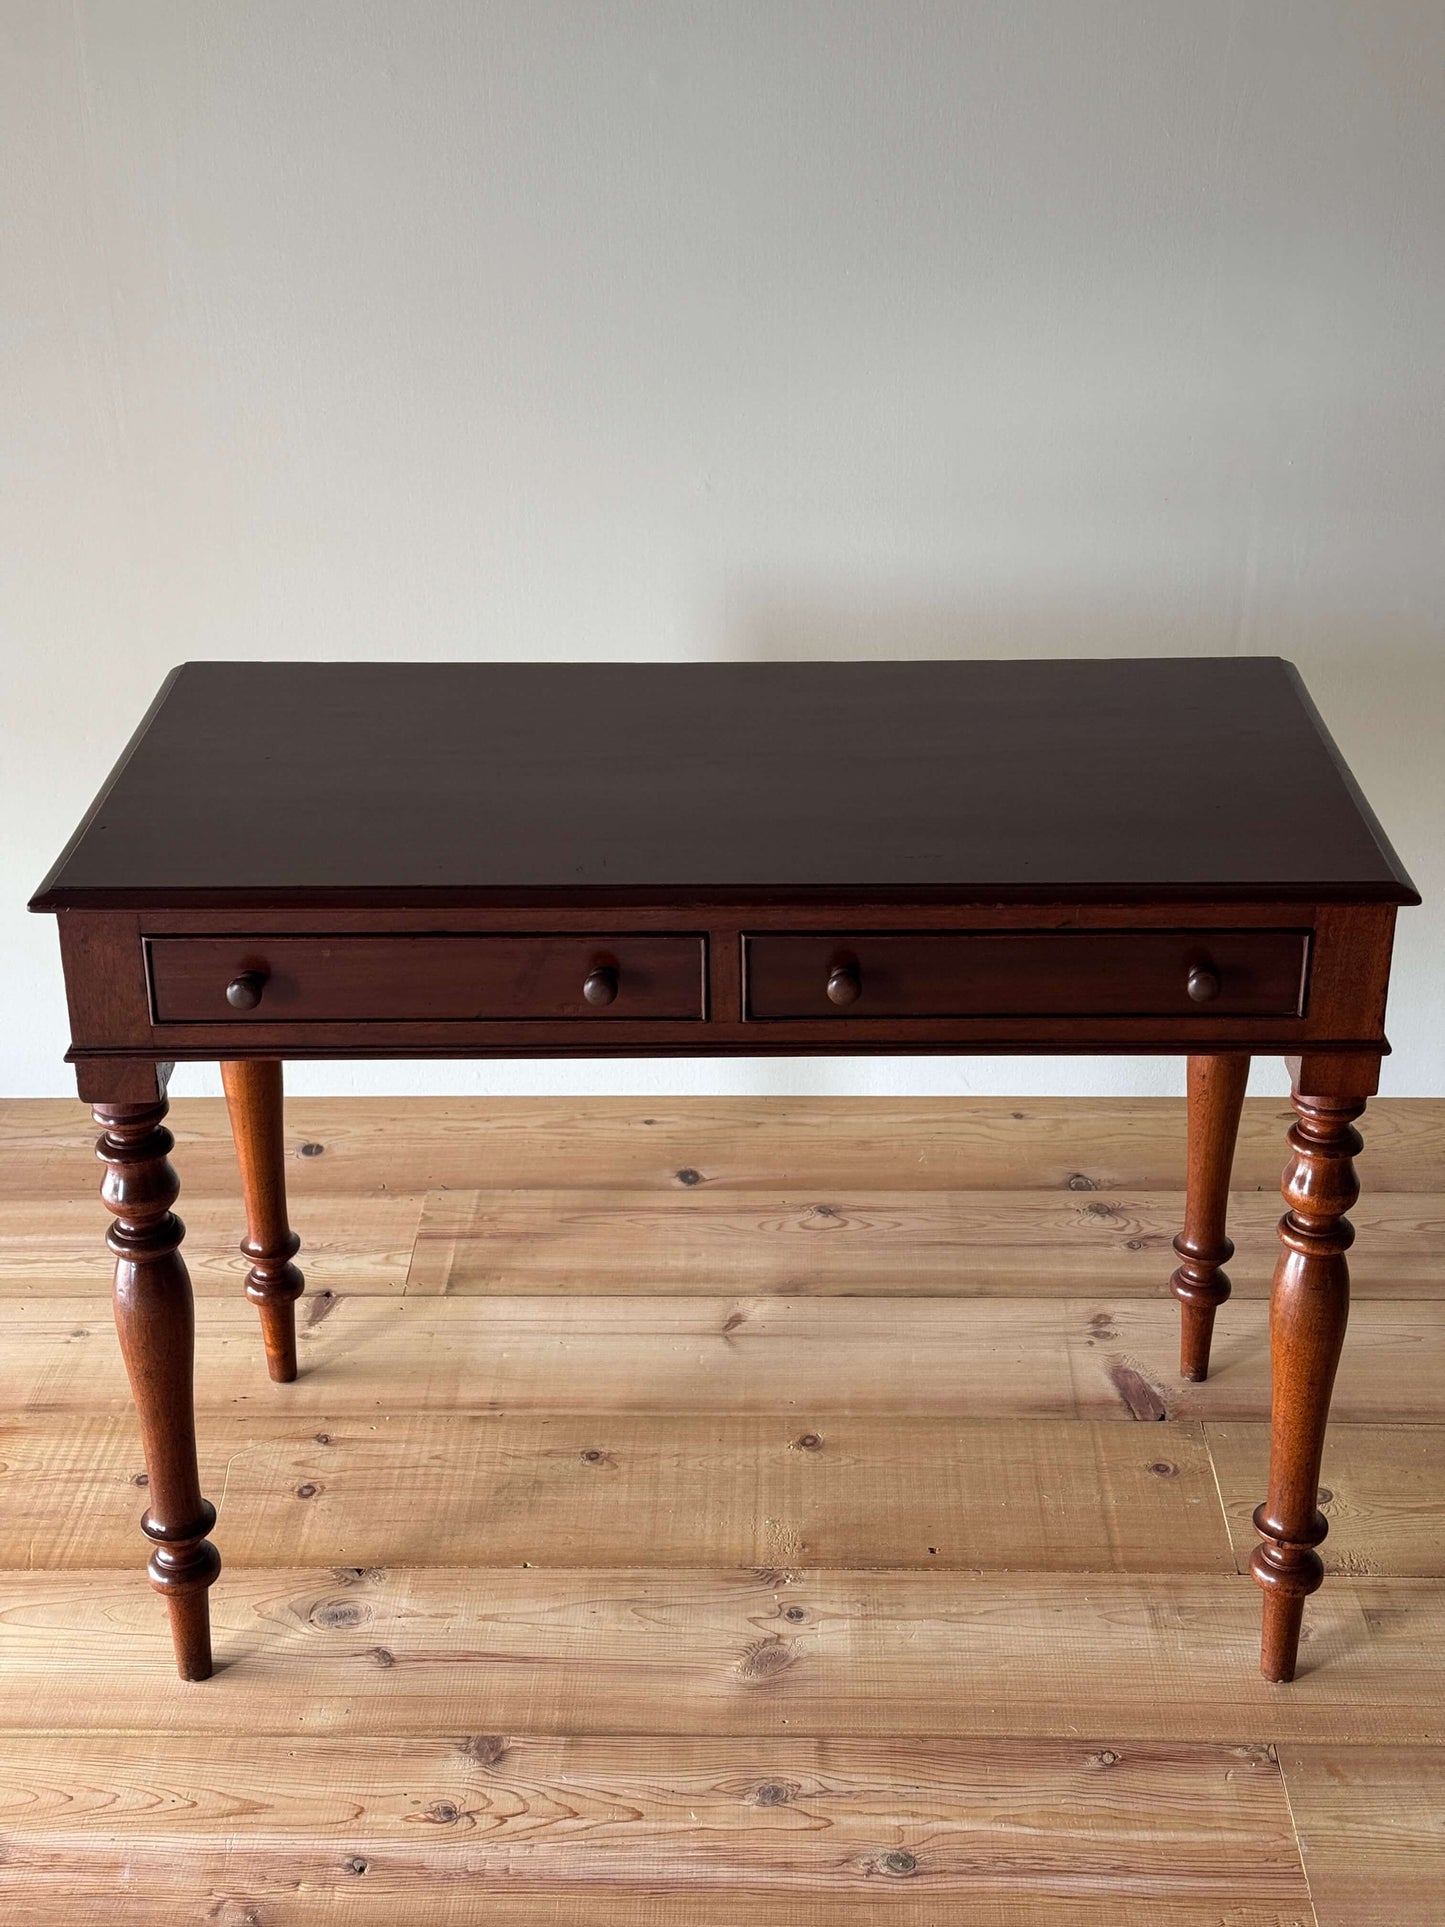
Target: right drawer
(1096, 973)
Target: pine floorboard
(299, 1827)
(1371, 1824)
(949, 1244)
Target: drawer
(1099, 973)
(402, 979)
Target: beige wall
(543, 328)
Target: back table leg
(155, 1318)
(1216, 1096)
(253, 1096)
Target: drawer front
(401, 979)
(1099, 973)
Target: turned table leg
(155, 1318)
(1308, 1309)
(253, 1097)
(1216, 1096)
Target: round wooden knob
(845, 986)
(1203, 984)
(244, 992)
(600, 985)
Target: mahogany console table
(313, 860)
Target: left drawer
(402, 979)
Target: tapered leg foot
(1196, 1335)
(155, 1318)
(1216, 1096)
(185, 1583)
(1309, 1307)
(254, 1099)
(1286, 1588)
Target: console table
(351, 860)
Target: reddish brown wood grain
(1216, 1097)
(254, 1100)
(1308, 1311)
(155, 1318)
(444, 979)
(1102, 973)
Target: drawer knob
(600, 985)
(845, 985)
(1204, 984)
(244, 992)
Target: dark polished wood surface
(330, 784)
(358, 979)
(1160, 973)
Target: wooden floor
(721, 1514)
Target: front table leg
(1308, 1308)
(155, 1317)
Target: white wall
(665, 328)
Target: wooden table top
(370, 784)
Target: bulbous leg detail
(155, 1318)
(1309, 1308)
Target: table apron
(1348, 946)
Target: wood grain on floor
(722, 1514)
(1159, 1826)
(948, 1244)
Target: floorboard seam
(1299, 1846)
